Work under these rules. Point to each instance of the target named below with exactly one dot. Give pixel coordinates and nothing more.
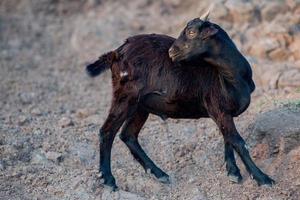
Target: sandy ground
(51, 112)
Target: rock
(197, 195)
(276, 131)
(271, 29)
(192, 192)
(22, 119)
(294, 29)
(108, 195)
(294, 47)
(82, 193)
(241, 11)
(289, 78)
(91, 3)
(261, 151)
(26, 97)
(221, 12)
(54, 156)
(24, 151)
(36, 111)
(83, 113)
(294, 155)
(76, 182)
(284, 39)
(183, 150)
(38, 157)
(279, 54)
(297, 9)
(292, 3)
(267, 74)
(270, 44)
(293, 159)
(65, 122)
(85, 152)
(263, 46)
(2, 165)
(271, 9)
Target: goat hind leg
(129, 135)
(107, 133)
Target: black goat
(208, 77)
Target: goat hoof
(234, 174)
(264, 180)
(112, 188)
(160, 175)
(164, 179)
(109, 182)
(235, 178)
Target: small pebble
(36, 111)
(82, 113)
(54, 156)
(65, 122)
(22, 120)
(26, 97)
(2, 165)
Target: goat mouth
(174, 56)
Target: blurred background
(50, 111)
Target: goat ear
(208, 31)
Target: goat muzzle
(173, 53)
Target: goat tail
(103, 63)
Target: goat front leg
(233, 172)
(232, 137)
(117, 115)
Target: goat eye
(191, 33)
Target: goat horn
(204, 17)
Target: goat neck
(229, 62)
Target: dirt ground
(51, 111)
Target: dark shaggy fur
(145, 80)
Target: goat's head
(196, 39)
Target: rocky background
(50, 111)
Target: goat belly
(161, 106)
